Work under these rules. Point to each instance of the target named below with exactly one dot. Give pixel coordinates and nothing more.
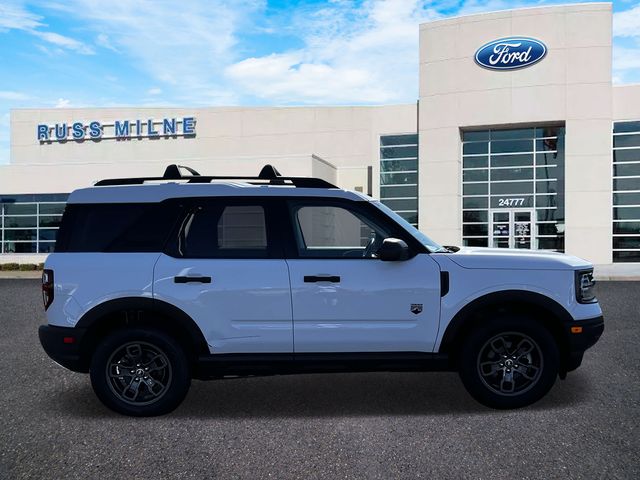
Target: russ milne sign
(119, 130)
(510, 53)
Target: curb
(20, 275)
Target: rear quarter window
(116, 227)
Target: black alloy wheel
(140, 372)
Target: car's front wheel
(140, 372)
(509, 362)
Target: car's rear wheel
(509, 362)
(140, 372)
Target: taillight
(47, 288)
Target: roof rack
(268, 176)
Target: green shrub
(28, 267)
(9, 266)
(41, 266)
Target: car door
(226, 270)
(344, 298)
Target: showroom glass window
(509, 176)
(626, 191)
(29, 223)
(399, 175)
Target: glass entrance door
(511, 228)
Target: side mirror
(393, 250)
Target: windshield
(421, 237)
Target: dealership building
(517, 138)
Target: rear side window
(225, 231)
(116, 227)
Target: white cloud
(626, 64)
(104, 41)
(286, 77)
(365, 53)
(627, 23)
(154, 91)
(62, 103)
(185, 46)
(64, 42)
(469, 7)
(15, 17)
(626, 58)
(626, 54)
(10, 95)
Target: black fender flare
(134, 306)
(504, 298)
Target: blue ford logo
(510, 53)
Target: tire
(140, 372)
(492, 375)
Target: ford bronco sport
(157, 281)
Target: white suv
(155, 281)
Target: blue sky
(81, 53)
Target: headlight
(585, 291)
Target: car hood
(514, 259)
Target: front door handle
(185, 279)
(321, 278)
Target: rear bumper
(56, 342)
(591, 331)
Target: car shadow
(328, 395)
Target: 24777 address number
(511, 202)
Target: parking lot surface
(372, 425)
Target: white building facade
(517, 139)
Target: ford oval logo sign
(510, 53)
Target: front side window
(328, 231)
(231, 231)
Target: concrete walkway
(619, 272)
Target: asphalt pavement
(372, 425)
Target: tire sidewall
(478, 337)
(180, 376)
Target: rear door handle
(192, 279)
(321, 278)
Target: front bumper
(589, 333)
(56, 342)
